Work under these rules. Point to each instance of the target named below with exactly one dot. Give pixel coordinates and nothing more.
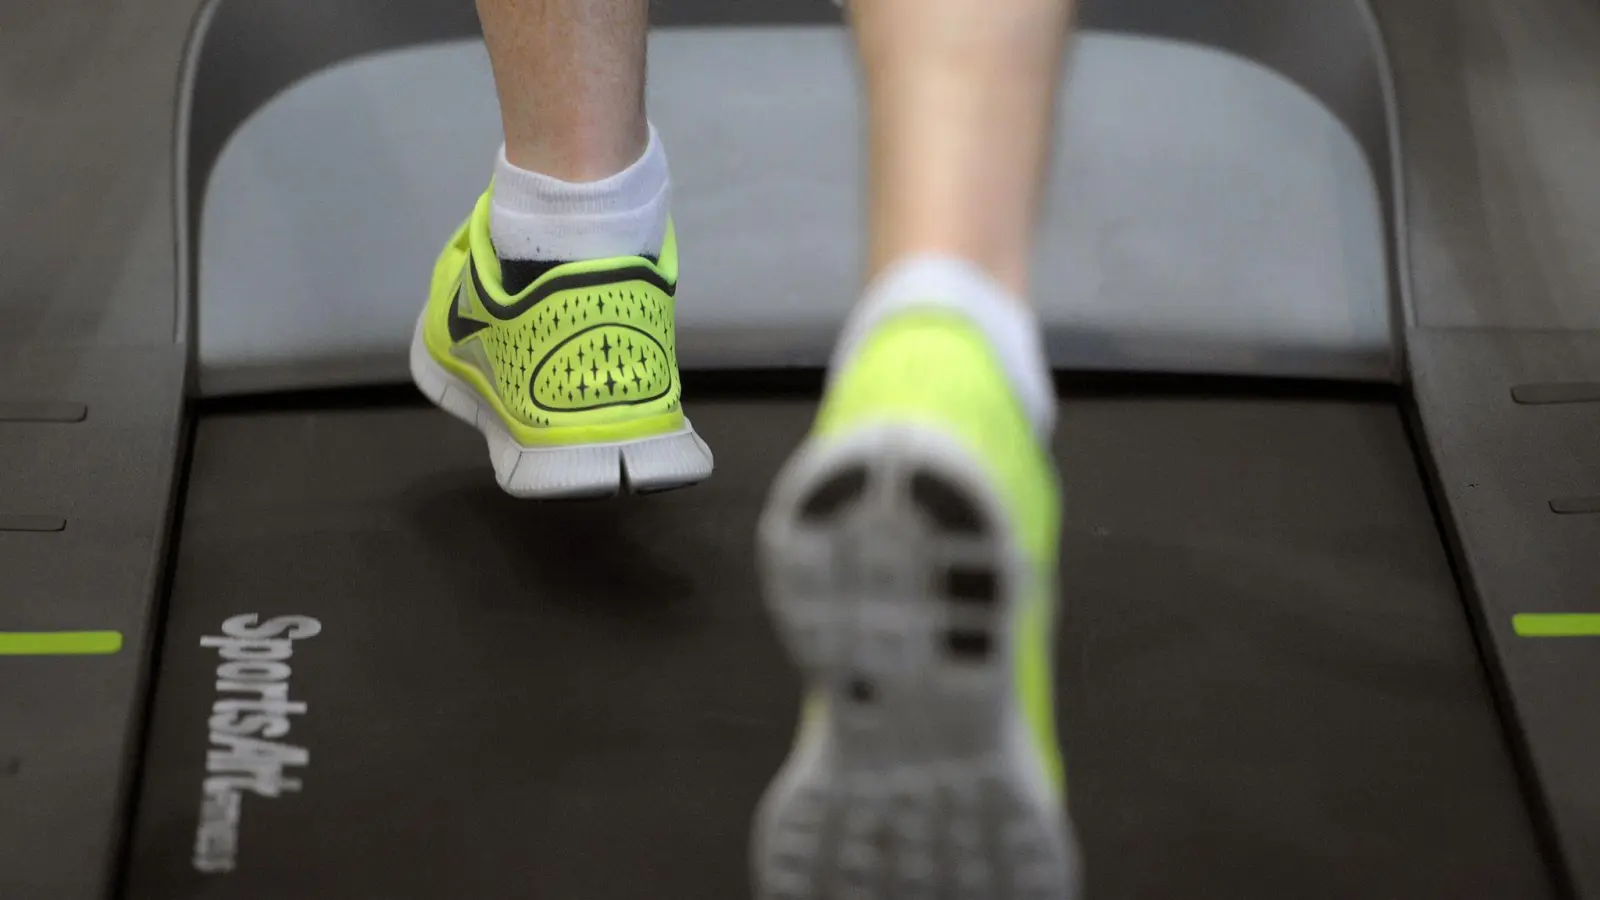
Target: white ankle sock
(959, 286)
(536, 217)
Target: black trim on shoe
(460, 326)
(517, 274)
(645, 273)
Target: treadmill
(1331, 600)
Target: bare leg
(582, 175)
(923, 706)
(961, 95)
(570, 75)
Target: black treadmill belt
(1270, 689)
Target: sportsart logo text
(249, 724)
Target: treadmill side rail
(1519, 481)
(85, 505)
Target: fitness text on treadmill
(248, 723)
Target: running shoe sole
(897, 587)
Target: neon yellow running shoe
(909, 557)
(573, 381)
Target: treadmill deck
(1269, 686)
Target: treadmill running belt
(1269, 686)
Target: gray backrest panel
(248, 50)
(1332, 48)
(245, 52)
(1203, 213)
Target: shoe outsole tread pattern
(895, 585)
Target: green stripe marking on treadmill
(1556, 624)
(59, 643)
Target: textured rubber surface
(896, 588)
(32, 523)
(639, 466)
(43, 412)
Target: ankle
(579, 152)
(538, 217)
(959, 286)
(1005, 263)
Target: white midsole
(647, 464)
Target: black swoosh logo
(544, 289)
(460, 326)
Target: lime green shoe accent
(584, 355)
(936, 370)
(1556, 625)
(60, 643)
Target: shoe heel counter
(591, 355)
